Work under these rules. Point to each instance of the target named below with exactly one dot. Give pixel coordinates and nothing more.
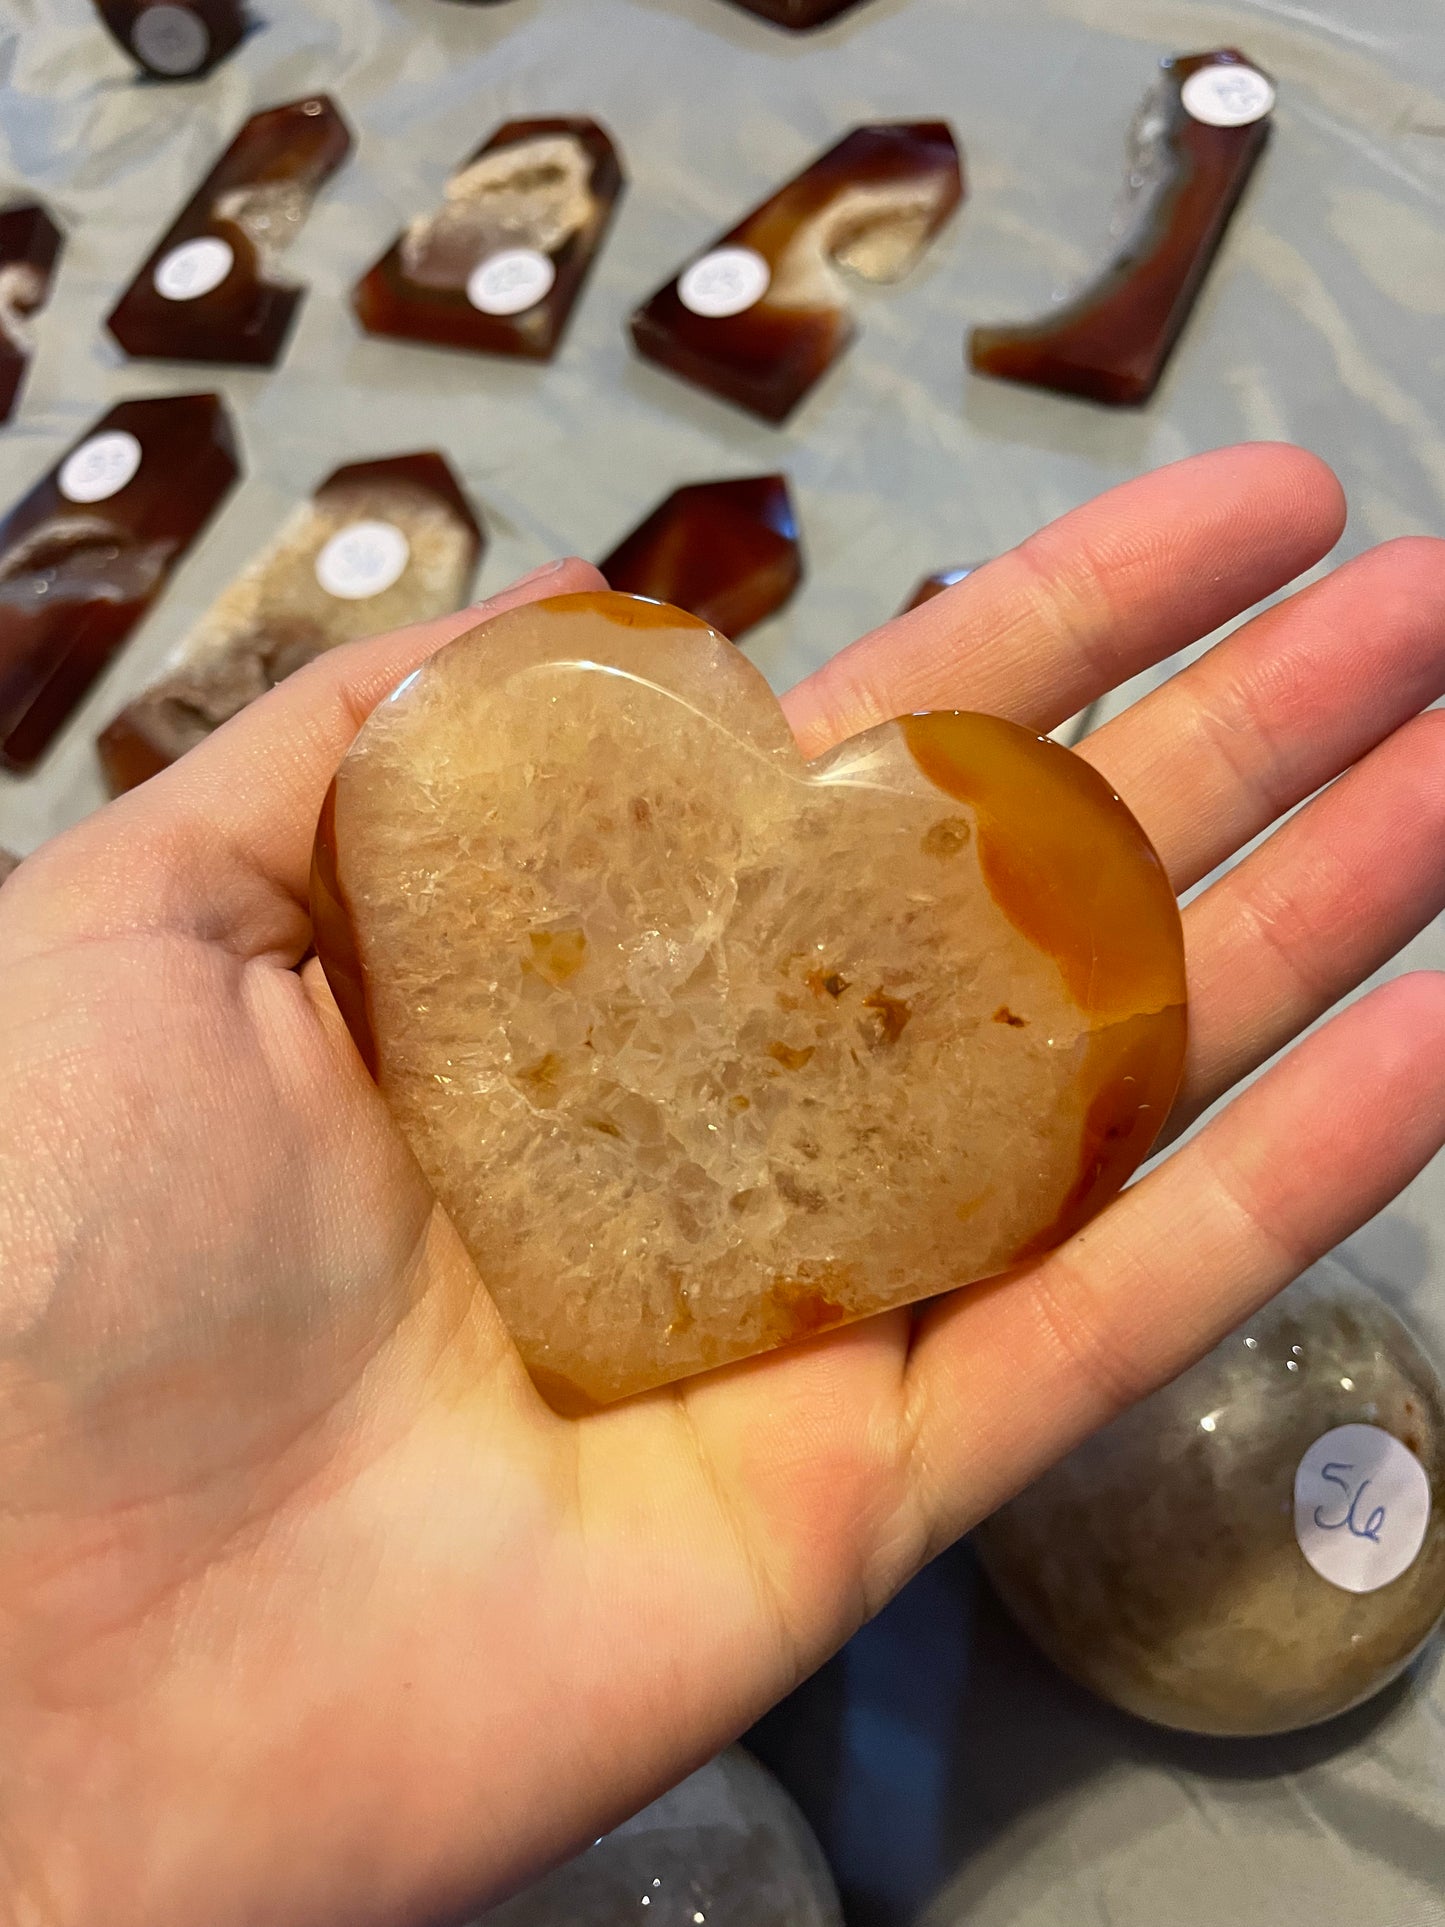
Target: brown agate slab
(380, 544)
(499, 266)
(705, 1048)
(209, 290)
(797, 13)
(933, 585)
(176, 41)
(88, 550)
(726, 552)
(30, 244)
(1192, 149)
(763, 313)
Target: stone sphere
(726, 1848)
(1261, 1544)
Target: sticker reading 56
(1361, 1507)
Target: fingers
(1280, 707)
(1115, 585)
(1004, 1378)
(1330, 898)
(220, 845)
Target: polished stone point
(726, 1847)
(499, 266)
(797, 14)
(210, 289)
(934, 585)
(30, 245)
(409, 525)
(85, 554)
(176, 39)
(726, 552)
(1185, 177)
(705, 1048)
(1160, 1565)
(775, 316)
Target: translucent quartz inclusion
(1184, 178)
(726, 1846)
(176, 41)
(30, 243)
(88, 550)
(797, 13)
(397, 542)
(1159, 1563)
(933, 585)
(726, 552)
(499, 266)
(705, 1048)
(869, 205)
(209, 289)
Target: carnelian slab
(30, 245)
(726, 552)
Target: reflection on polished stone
(381, 544)
(726, 1848)
(85, 554)
(176, 39)
(1164, 1563)
(760, 315)
(209, 290)
(934, 585)
(726, 552)
(1185, 176)
(499, 266)
(705, 1048)
(30, 244)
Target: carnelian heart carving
(704, 1047)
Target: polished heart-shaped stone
(705, 1047)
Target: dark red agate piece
(797, 13)
(1186, 175)
(499, 266)
(763, 313)
(174, 41)
(280, 614)
(208, 291)
(727, 552)
(30, 244)
(933, 585)
(88, 550)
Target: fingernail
(540, 575)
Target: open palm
(310, 1610)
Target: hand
(310, 1610)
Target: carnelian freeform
(705, 1048)
(88, 550)
(380, 544)
(30, 244)
(209, 291)
(797, 13)
(726, 552)
(176, 41)
(1186, 174)
(499, 266)
(760, 315)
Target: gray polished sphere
(1159, 1564)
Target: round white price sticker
(100, 467)
(1226, 95)
(727, 281)
(194, 268)
(362, 559)
(511, 281)
(173, 40)
(1361, 1507)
